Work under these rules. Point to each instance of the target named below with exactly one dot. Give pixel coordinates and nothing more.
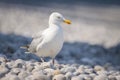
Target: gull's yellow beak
(67, 21)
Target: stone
(118, 77)
(77, 78)
(3, 71)
(68, 75)
(59, 77)
(98, 68)
(23, 74)
(101, 77)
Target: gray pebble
(77, 78)
(3, 59)
(111, 77)
(76, 73)
(81, 69)
(10, 64)
(92, 75)
(118, 77)
(68, 69)
(89, 70)
(16, 71)
(40, 77)
(13, 77)
(49, 71)
(29, 67)
(3, 70)
(19, 63)
(68, 75)
(23, 74)
(102, 72)
(98, 68)
(85, 76)
(59, 77)
(101, 77)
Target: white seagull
(49, 42)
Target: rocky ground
(70, 64)
(91, 50)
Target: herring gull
(49, 42)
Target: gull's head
(57, 18)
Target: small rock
(102, 72)
(68, 69)
(77, 78)
(49, 71)
(76, 73)
(92, 75)
(88, 78)
(16, 71)
(40, 77)
(85, 76)
(59, 77)
(10, 64)
(111, 77)
(68, 75)
(3, 70)
(23, 74)
(56, 72)
(30, 67)
(81, 69)
(19, 63)
(118, 77)
(98, 68)
(3, 59)
(13, 77)
(101, 77)
(89, 70)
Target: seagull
(49, 42)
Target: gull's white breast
(52, 42)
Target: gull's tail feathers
(25, 47)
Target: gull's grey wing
(37, 35)
(37, 39)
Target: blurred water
(95, 24)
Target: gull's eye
(58, 17)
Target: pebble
(77, 78)
(59, 77)
(16, 71)
(118, 77)
(89, 71)
(93, 75)
(101, 77)
(19, 63)
(81, 69)
(3, 70)
(111, 77)
(3, 59)
(49, 71)
(40, 77)
(98, 68)
(13, 77)
(102, 72)
(29, 67)
(68, 75)
(68, 69)
(76, 73)
(23, 74)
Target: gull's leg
(42, 59)
(53, 61)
